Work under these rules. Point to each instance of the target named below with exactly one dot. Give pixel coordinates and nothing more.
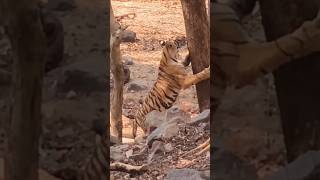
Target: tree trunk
(297, 83)
(28, 46)
(197, 30)
(118, 83)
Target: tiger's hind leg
(195, 78)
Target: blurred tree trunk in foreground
(24, 27)
(297, 83)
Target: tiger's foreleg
(193, 79)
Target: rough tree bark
(24, 28)
(118, 82)
(297, 83)
(197, 30)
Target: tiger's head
(170, 52)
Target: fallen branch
(118, 166)
(126, 15)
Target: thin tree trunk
(28, 46)
(118, 82)
(297, 83)
(197, 30)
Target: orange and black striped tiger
(172, 77)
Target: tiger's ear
(162, 43)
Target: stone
(65, 132)
(134, 87)
(168, 147)
(71, 95)
(204, 116)
(157, 146)
(129, 153)
(166, 130)
(83, 77)
(127, 140)
(127, 60)
(155, 118)
(129, 36)
(305, 167)
(176, 113)
(116, 154)
(183, 174)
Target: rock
(139, 139)
(166, 130)
(116, 154)
(83, 77)
(127, 140)
(127, 60)
(183, 174)
(65, 132)
(305, 167)
(204, 116)
(176, 113)
(157, 146)
(134, 87)
(230, 167)
(129, 36)
(168, 147)
(71, 95)
(155, 118)
(129, 153)
(61, 5)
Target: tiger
(172, 78)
